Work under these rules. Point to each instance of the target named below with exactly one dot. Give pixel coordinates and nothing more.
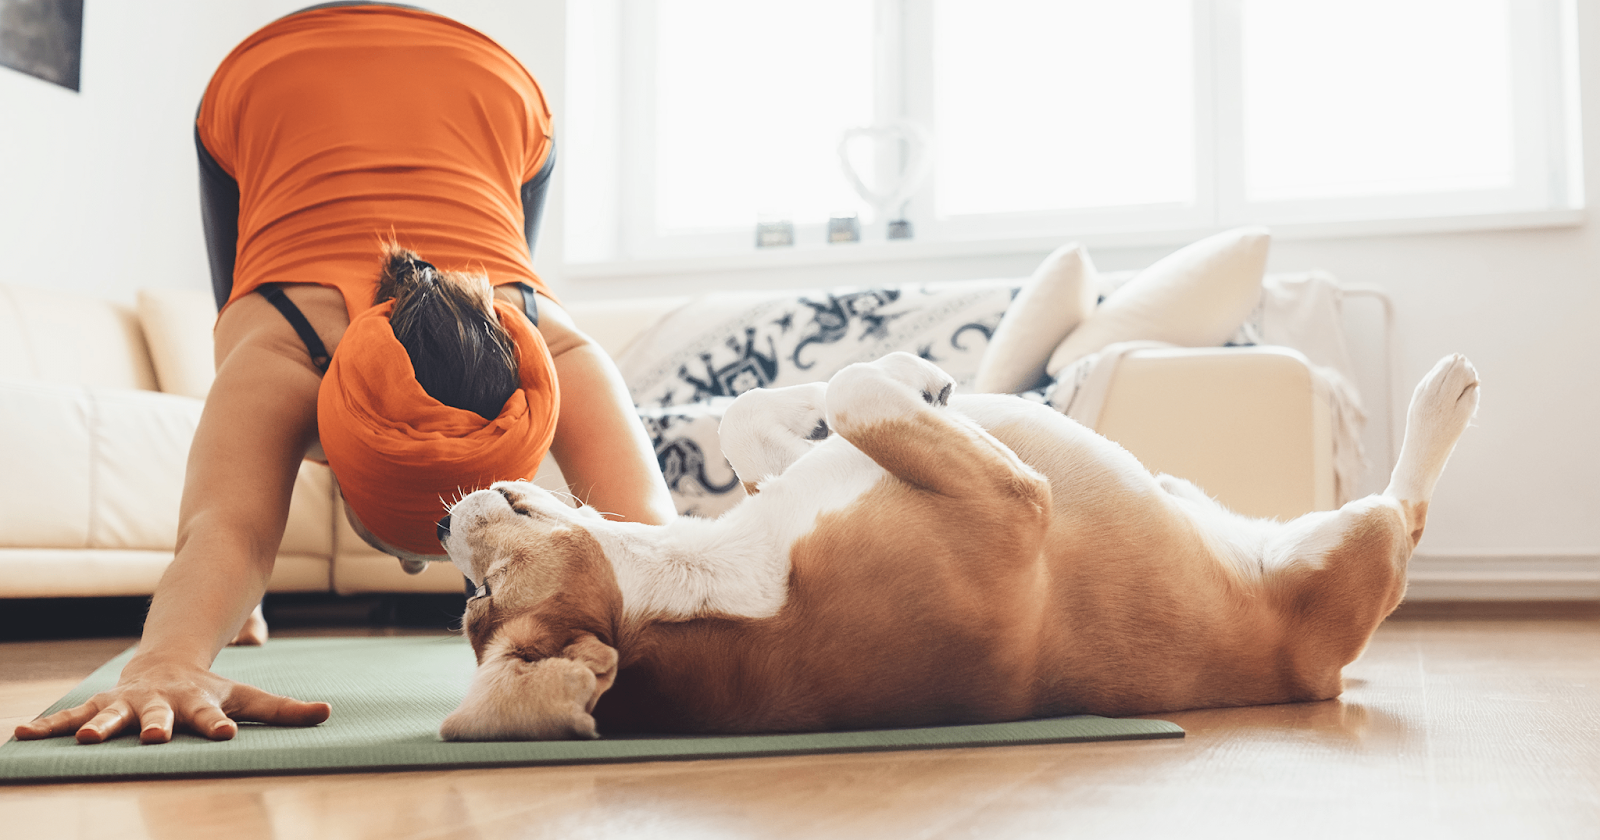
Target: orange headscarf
(400, 455)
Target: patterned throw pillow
(685, 369)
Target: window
(690, 120)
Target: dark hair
(462, 356)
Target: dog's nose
(444, 527)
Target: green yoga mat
(389, 695)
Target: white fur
(1441, 407)
(767, 429)
(738, 564)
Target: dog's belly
(906, 608)
(886, 624)
(903, 607)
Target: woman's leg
(219, 214)
(533, 194)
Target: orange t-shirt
(347, 125)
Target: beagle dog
(910, 558)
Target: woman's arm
(257, 422)
(600, 445)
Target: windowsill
(860, 253)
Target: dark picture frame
(43, 38)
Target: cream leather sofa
(99, 400)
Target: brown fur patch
(954, 642)
(1334, 604)
(1416, 518)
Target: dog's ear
(513, 699)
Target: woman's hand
(158, 698)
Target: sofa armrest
(1249, 425)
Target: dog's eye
(819, 432)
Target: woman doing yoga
(372, 180)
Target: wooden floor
(1455, 724)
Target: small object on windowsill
(900, 229)
(774, 230)
(844, 228)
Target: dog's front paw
(888, 387)
(766, 430)
(914, 372)
(923, 376)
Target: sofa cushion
(1195, 297)
(1055, 299)
(92, 467)
(177, 326)
(104, 468)
(50, 335)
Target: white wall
(98, 192)
(1524, 305)
(99, 189)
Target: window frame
(1547, 170)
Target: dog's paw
(923, 376)
(1445, 399)
(892, 386)
(766, 430)
(1441, 408)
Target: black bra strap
(297, 319)
(530, 303)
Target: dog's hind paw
(1441, 407)
(1445, 399)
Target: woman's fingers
(246, 702)
(205, 718)
(107, 724)
(155, 723)
(160, 713)
(60, 723)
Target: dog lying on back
(907, 558)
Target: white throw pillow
(1195, 297)
(1055, 299)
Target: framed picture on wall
(43, 38)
